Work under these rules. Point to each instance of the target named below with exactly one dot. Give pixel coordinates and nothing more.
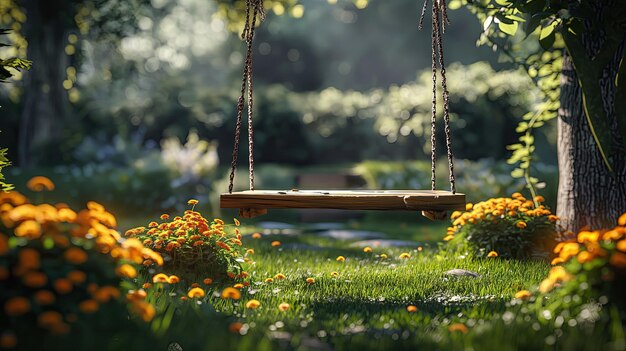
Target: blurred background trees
(338, 82)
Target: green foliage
(553, 25)
(510, 227)
(4, 162)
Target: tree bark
(588, 195)
(45, 99)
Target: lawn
(359, 303)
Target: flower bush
(594, 259)
(191, 242)
(60, 268)
(512, 227)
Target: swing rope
(439, 21)
(254, 9)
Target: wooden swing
(434, 204)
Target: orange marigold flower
(334, 274)
(192, 202)
(460, 327)
(521, 225)
(235, 327)
(146, 286)
(553, 218)
(29, 229)
(75, 255)
(237, 223)
(160, 278)
(411, 308)
(196, 293)
(253, 304)
(184, 298)
(153, 224)
(48, 319)
(16, 306)
(35, 279)
(126, 271)
(63, 286)
(310, 280)
(492, 254)
(283, 306)
(223, 245)
(250, 251)
(136, 295)
(405, 255)
(106, 293)
(448, 237)
(280, 276)
(8, 340)
(40, 183)
(44, 297)
(238, 286)
(275, 243)
(523, 295)
(207, 281)
(367, 249)
(383, 256)
(618, 260)
(621, 245)
(539, 198)
(77, 277)
(546, 285)
(89, 306)
(622, 220)
(165, 216)
(269, 280)
(231, 293)
(145, 310)
(588, 237)
(173, 279)
(256, 236)
(340, 259)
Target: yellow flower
(165, 216)
(192, 202)
(269, 280)
(250, 251)
(468, 206)
(196, 293)
(588, 237)
(75, 255)
(146, 286)
(553, 218)
(237, 223)
(458, 327)
(283, 306)
(145, 310)
(334, 274)
(340, 259)
(621, 245)
(256, 236)
(411, 308)
(546, 285)
(622, 220)
(492, 254)
(419, 248)
(539, 198)
(238, 286)
(126, 271)
(16, 306)
(405, 255)
(310, 280)
(521, 225)
(231, 293)
(367, 249)
(523, 295)
(280, 276)
(253, 304)
(160, 278)
(89, 306)
(448, 237)
(173, 279)
(40, 183)
(275, 243)
(383, 256)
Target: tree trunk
(45, 99)
(588, 195)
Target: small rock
(462, 273)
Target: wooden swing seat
(256, 202)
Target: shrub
(65, 272)
(508, 227)
(191, 242)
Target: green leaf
(509, 29)
(620, 98)
(547, 36)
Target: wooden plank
(399, 200)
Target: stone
(462, 273)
